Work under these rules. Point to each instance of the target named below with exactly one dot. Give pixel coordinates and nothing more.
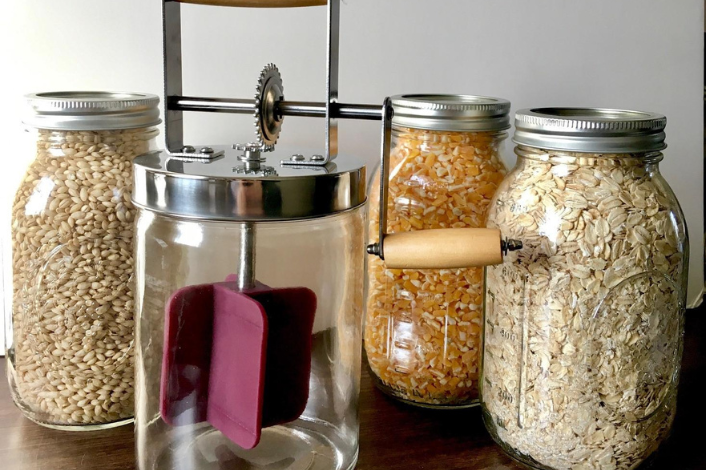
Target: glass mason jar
(423, 327)
(291, 229)
(69, 334)
(584, 325)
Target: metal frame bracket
(173, 88)
(386, 140)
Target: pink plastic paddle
(240, 360)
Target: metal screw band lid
(464, 113)
(91, 110)
(592, 130)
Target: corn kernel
(453, 170)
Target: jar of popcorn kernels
(423, 327)
(70, 325)
(584, 325)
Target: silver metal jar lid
(591, 130)
(221, 188)
(464, 113)
(91, 110)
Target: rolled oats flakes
(584, 324)
(423, 327)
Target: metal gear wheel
(268, 92)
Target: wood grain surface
(443, 248)
(393, 436)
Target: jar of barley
(584, 324)
(70, 326)
(423, 327)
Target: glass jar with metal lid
(584, 324)
(70, 322)
(423, 326)
(249, 281)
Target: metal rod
(302, 109)
(213, 105)
(339, 110)
(246, 262)
(368, 112)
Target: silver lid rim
(590, 130)
(216, 218)
(213, 190)
(91, 110)
(448, 112)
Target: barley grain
(62, 318)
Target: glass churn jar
(249, 312)
(584, 325)
(70, 316)
(423, 326)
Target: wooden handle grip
(258, 3)
(448, 248)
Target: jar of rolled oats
(70, 323)
(423, 327)
(584, 324)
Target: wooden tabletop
(393, 436)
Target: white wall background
(639, 54)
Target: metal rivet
(188, 149)
(317, 158)
(297, 157)
(206, 150)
